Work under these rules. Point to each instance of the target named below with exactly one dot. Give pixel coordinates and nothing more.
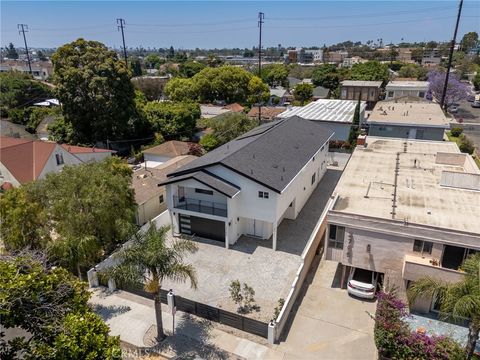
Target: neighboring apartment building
(406, 209)
(150, 198)
(304, 56)
(368, 91)
(249, 185)
(22, 161)
(335, 57)
(335, 115)
(398, 88)
(350, 61)
(422, 120)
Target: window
(421, 94)
(59, 158)
(203, 191)
(424, 247)
(313, 178)
(263, 194)
(336, 236)
(160, 199)
(390, 94)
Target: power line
(261, 16)
(120, 25)
(22, 29)
(343, 16)
(452, 46)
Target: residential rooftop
(145, 181)
(364, 83)
(170, 149)
(406, 85)
(437, 185)
(272, 154)
(326, 110)
(398, 112)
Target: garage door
(207, 228)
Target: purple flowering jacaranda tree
(456, 90)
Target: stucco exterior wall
(151, 208)
(6, 176)
(396, 131)
(51, 164)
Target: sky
(219, 24)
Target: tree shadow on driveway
(190, 341)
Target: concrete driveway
(329, 324)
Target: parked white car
(362, 283)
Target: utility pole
(261, 16)
(120, 26)
(22, 28)
(450, 55)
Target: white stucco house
(249, 185)
(23, 160)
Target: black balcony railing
(202, 206)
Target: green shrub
(209, 142)
(456, 131)
(466, 145)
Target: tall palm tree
(457, 300)
(149, 259)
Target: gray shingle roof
(215, 182)
(271, 154)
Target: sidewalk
(133, 318)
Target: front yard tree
(355, 128)
(23, 218)
(94, 88)
(458, 301)
(148, 260)
(456, 90)
(51, 305)
(92, 208)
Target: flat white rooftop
(367, 184)
(407, 85)
(325, 110)
(398, 112)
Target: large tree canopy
(51, 306)
(370, 71)
(173, 119)
(469, 41)
(94, 88)
(456, 90)
(18, 90)
(275, 74)
(228, 83)
(77, 215)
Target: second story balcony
(201, 206)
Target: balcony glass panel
(201, 206)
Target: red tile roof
(235, 107)
(26, 159)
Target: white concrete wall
(405, 92)
(151, 208)
(157, 158)
(51, 164)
